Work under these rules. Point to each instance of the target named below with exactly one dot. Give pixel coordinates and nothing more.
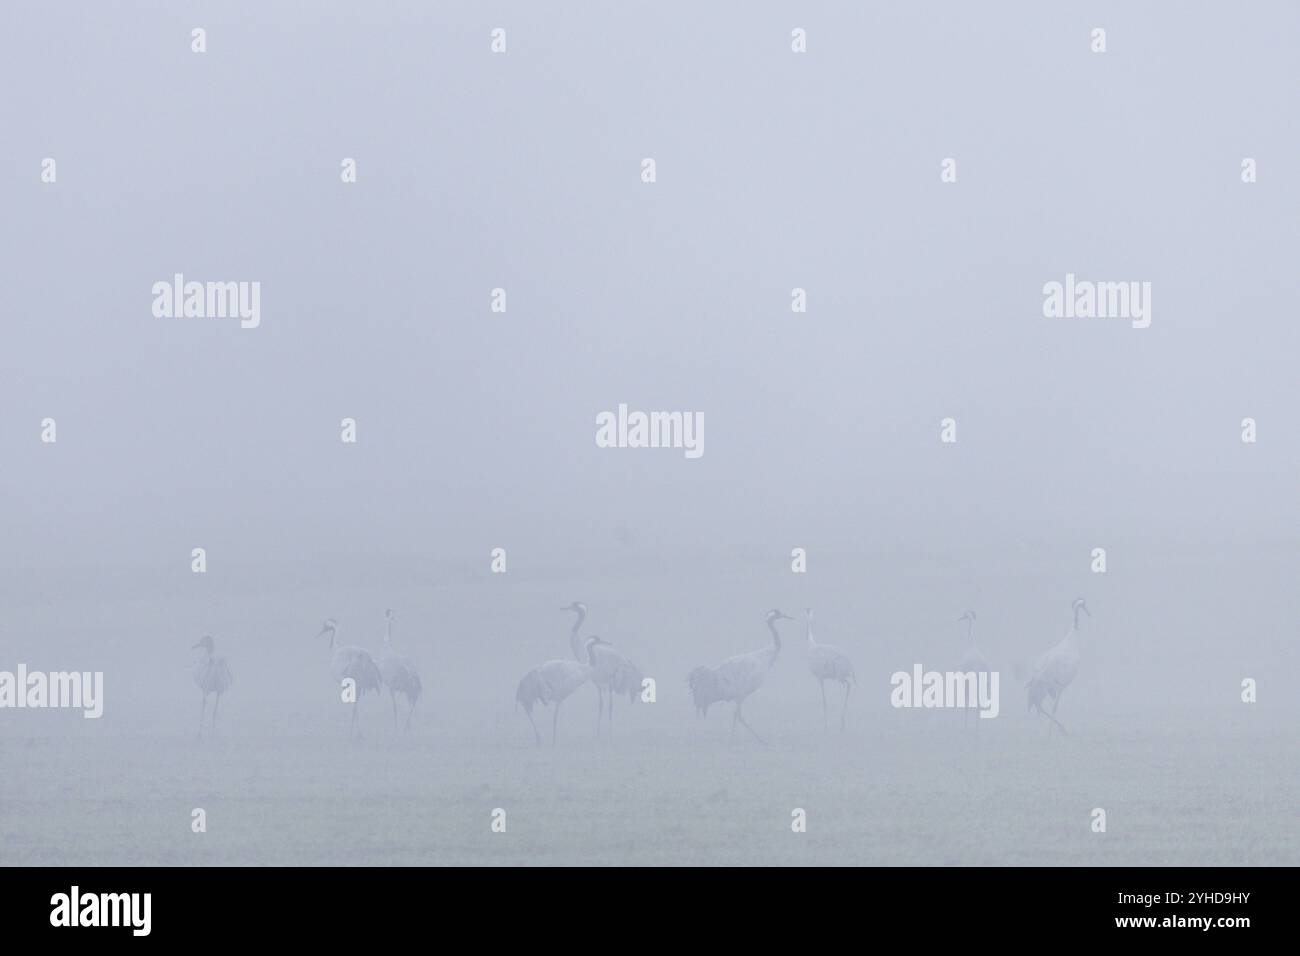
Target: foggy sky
(476, 430)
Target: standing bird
(352, 663)
(736, 677)
(213, 676)
(971, 661)
(613, 672)
(1055, 669)
(398, 672)
(828, 662)
(551, 683)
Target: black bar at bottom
(623, 906)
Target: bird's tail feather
(701, 682)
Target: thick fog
(774, 170)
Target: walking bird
(1056, 669)
(398, 672)
(612, 671)
(350, 662)
(551, 683)
(213, 676)
(736, 677)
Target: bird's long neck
(1076, 620)
(970, 631)
(811, 642)
(776, 639)
(574, 643)
(388, 633)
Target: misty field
(1159, 737)
(1000, 795)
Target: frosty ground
(664, 791)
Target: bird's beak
(323, 632)
(195, 647)
(1085, 610)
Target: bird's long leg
(203, 709)
(356, 724)
(555, 723)
(393, 694)
(600, 708)
(1052, 721)
(845, 711)
(536, 735)
(216, 702)
(609, 724)
(826, 720)
(409, 714)
(741, 718)
(1056, 702)
(1038, 708)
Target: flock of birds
(595, 660)
(613, 674)
(347, 662)
(391, 670)
(738, 677)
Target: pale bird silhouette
(828, 662)
(398, 673)
(551, 683)
(350, 662)
(736, 677)
(1056, 669)
(213, 676)
(613, 672)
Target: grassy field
(676, 795)
(1159, 738)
